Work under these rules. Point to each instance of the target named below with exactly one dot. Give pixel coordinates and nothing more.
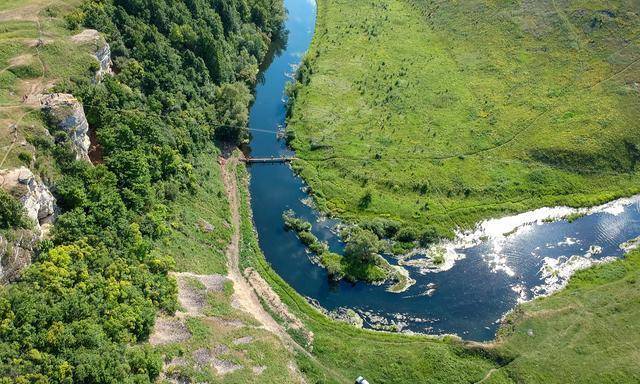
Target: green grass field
(200, 228)
(587, 333)
(451, 112)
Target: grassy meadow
(587, 333)
(445, 113)
(36, 52)
(199, 222)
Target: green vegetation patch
(445, 113)
(587, 333)
(199, 226)
(341, 352)
(83, 309)
(361, 260)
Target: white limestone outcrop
(102, 50)
(17, 245)
(38, 202)
(67, 113)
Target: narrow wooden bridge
(266, 160)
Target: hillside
(586, 333)
(109, 111)
(120, 168)
(439, 114)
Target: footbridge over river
(268, 160)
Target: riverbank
(586, 333)
(436, 134)
(350, 351)
(534, 336)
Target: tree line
(183, 72)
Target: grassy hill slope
(587, 333)
(450, 112)
(36, 52)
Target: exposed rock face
(66, 112)
(36, 198)
(103, 54)
(17, 246)
(16, 253)
(102, 50)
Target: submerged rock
(66, 113)
(343, 314)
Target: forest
(183, 77)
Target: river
(493, 271)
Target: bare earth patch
(86, 36)
(210, 357)
(272, 299)
(258, 370)
(192, 299)
(168, 330)
(25, 59)
(223, 367)
(243, 340)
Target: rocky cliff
(101, 48)
(17, 246)
(103, 54)
(36, 198)
(66, 113)
(16, 251)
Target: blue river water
(469, 298)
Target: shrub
(11, 212)
(318, 247)
(383, 228)
(362, 246)
(333, 263)
(406, 235)
(307, 238)
(365, 200)
(293, 223)
(428, 237)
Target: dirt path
(487, 376)
(244, 295)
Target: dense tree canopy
(183, 73)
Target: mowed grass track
(451, 112)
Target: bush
(318, 247)
(383, 228)
(293, 223)
(428, 237)
(334, 265)
(362, 246)
(407, 235)
(11, 212)
(307, 238)
(365, 200)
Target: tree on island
(363, 245)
